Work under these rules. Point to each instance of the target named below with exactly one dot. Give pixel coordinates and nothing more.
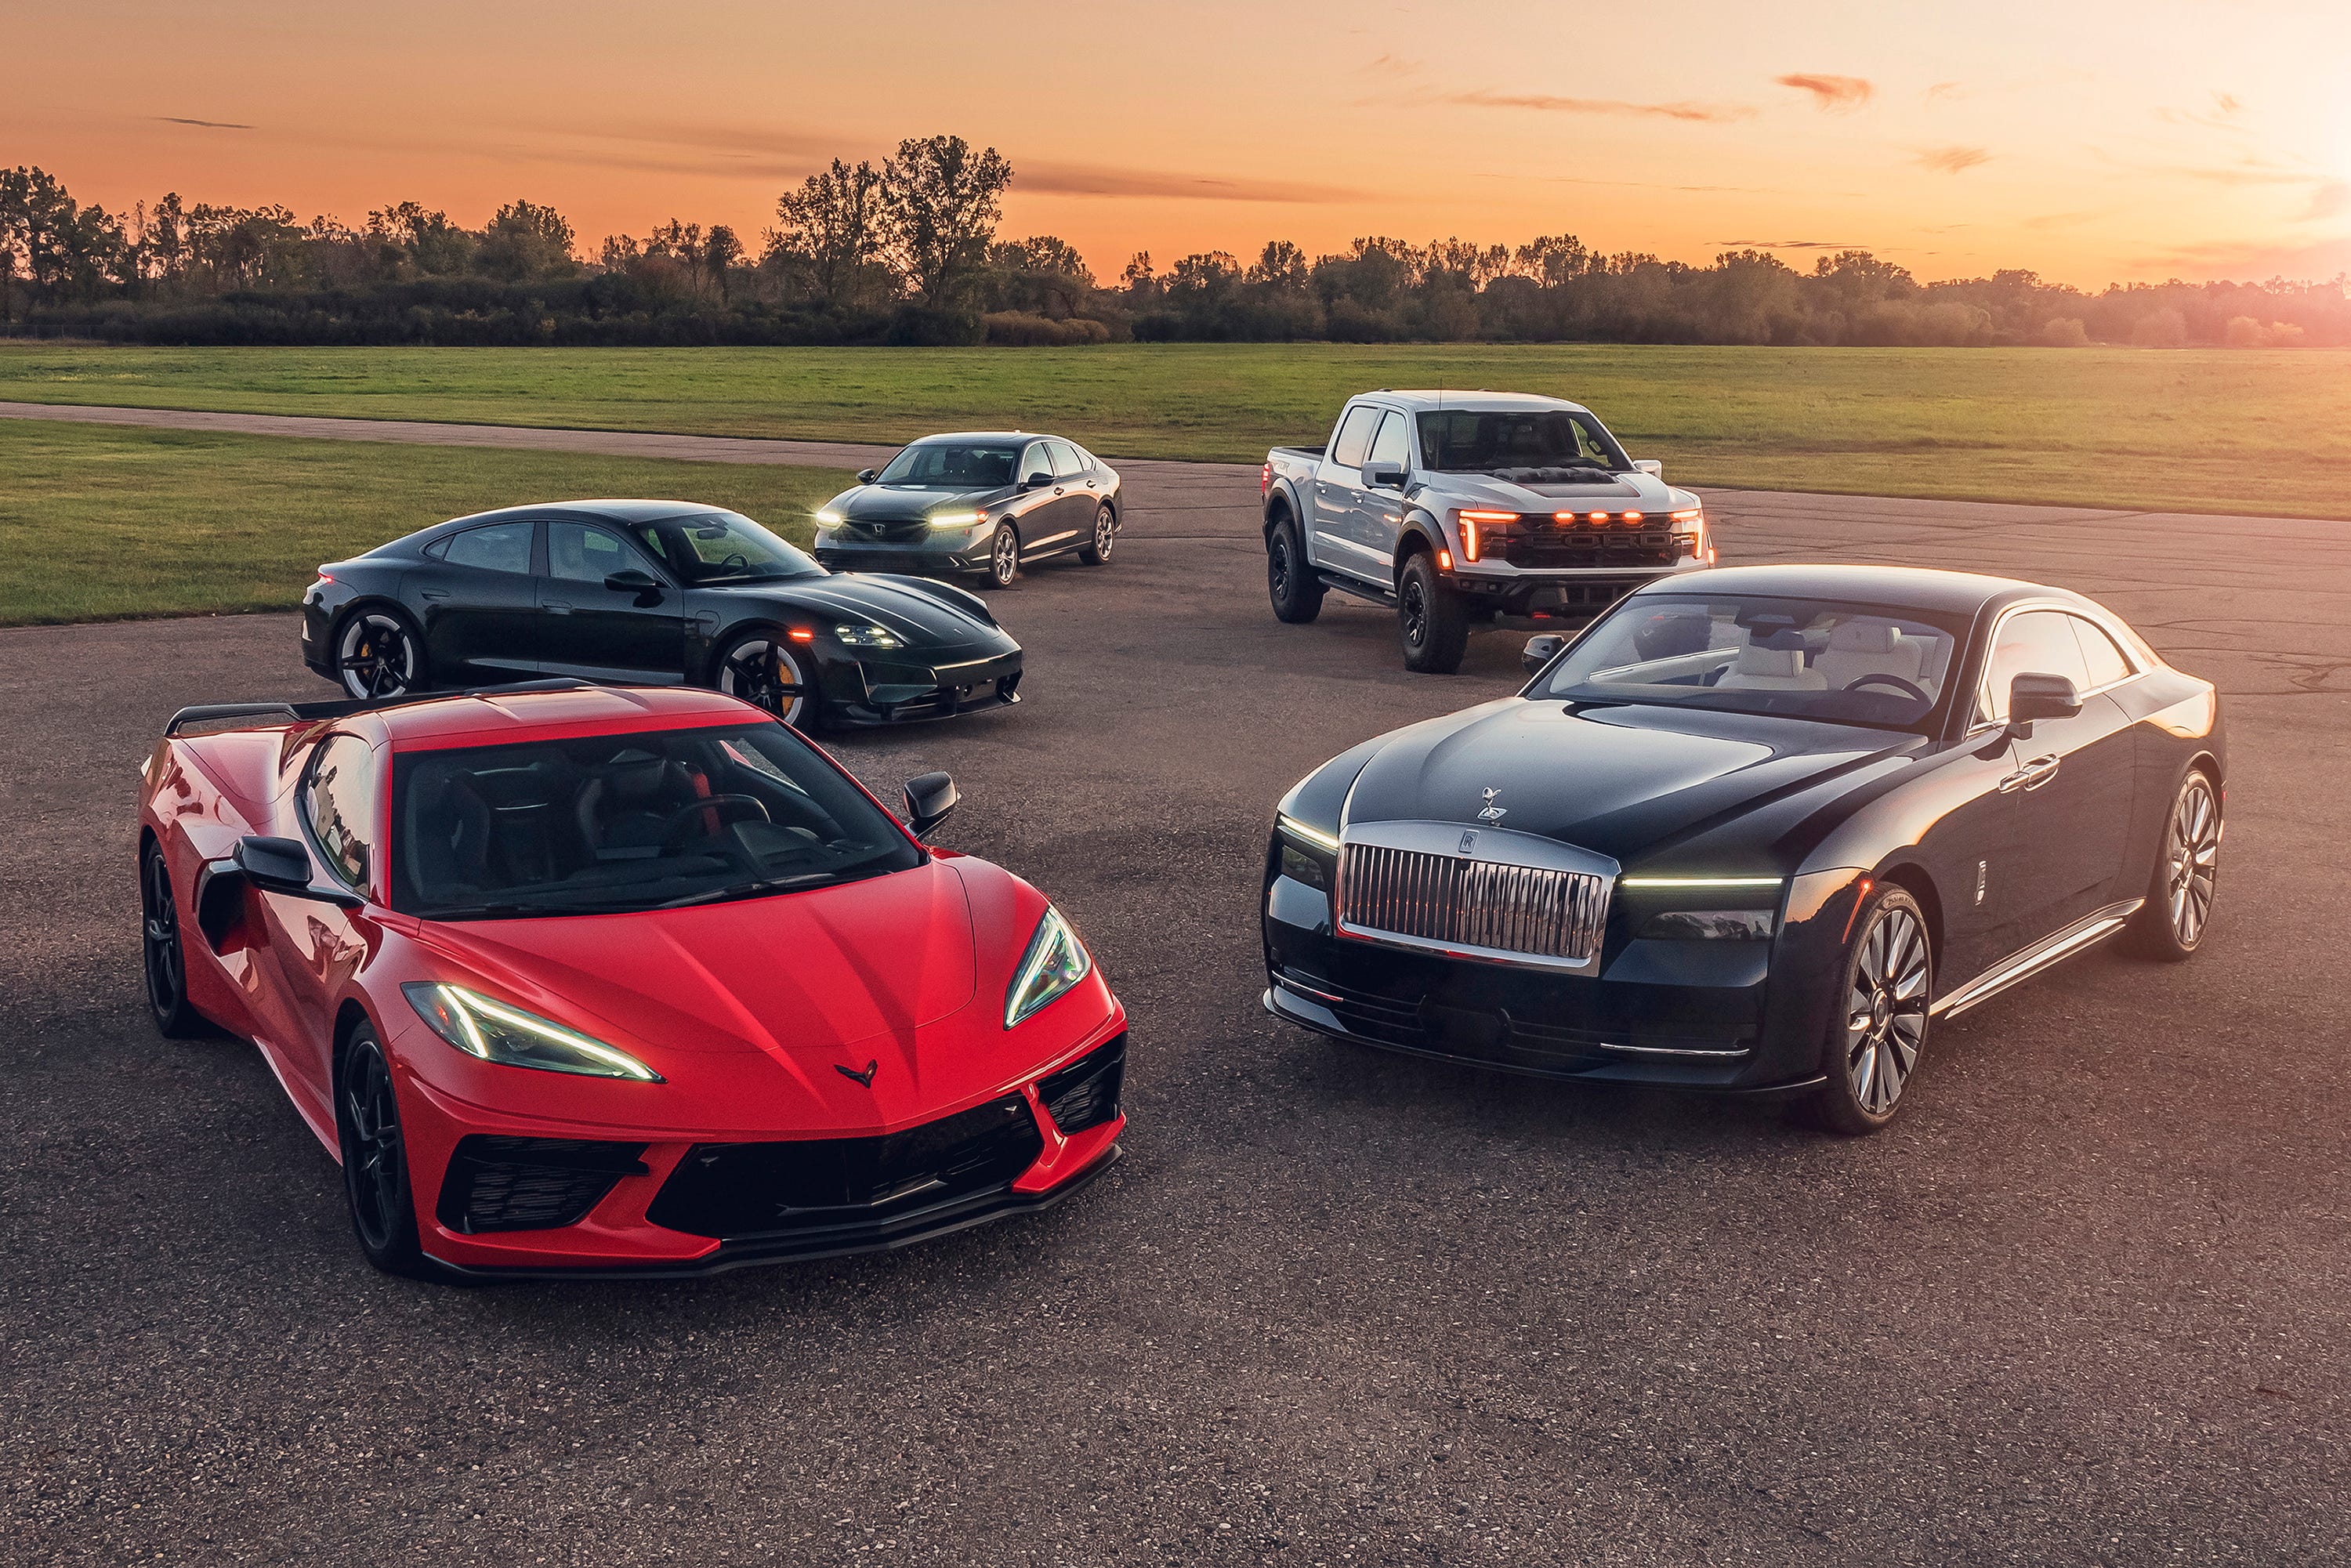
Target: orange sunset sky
(2090, 139)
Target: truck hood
(1552, 490)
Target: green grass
(2205, 430)
(99, 524)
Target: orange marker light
(1631, 516)
(1445, 560)
(1598, 517)
(801, 634)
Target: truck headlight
(495, 1032)
(1055, 961)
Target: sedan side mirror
(929, 797)
(867, 475)
(283, 866)
(1649, 466)
(2034, 695)
(1383, 475)
(1541, 650)
(641, 583)
(1036, 481)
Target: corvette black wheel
(2171, 924)
(762, 668)
(1096, 550)
(1290, 581)
(1880, 1028)
(1431, 622)
(1004, 556)
(166, 962)
(375, 1159)
(378, 655)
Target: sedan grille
(1453, 900)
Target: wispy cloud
(1831, 94)
(1952, 160)
(1943, 89)
(1095, 180)
(205, 124)
(2226, 114)
(1483, 97)
(1790, 244)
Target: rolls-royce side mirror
(641, 583)
(1542, 650)
(929, 797)
(1649, 466)
(283, 866)
(867, 475)
(2034, 695)
(1383, 475)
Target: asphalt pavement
(2086, 1303)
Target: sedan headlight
(1055, 961)
(863, 636)
(513, 1038)
(828, 519)
(956, 520)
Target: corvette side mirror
(283, 866)
(867, 475)
(1383, 475)
(1541, 650)
(1649, 466)
(639, 583)
(929, 797)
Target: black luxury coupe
(989, 503)
(1754, 832)
(653, 592)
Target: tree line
(907, 252)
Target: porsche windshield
(725, 547)
(1486, 441)
(1814, 658)
(954, 464)
(640, 820)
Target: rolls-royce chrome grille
(1456, 902)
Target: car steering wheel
(731, 808)
(1906, 689)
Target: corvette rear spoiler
(264, 714)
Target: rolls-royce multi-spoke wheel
(2171, 924)
(761, 668)
(375, 1159)
(1880, 1029)
(379, 656)
(166, 963)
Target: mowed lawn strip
(2185, 430)
(103, 524)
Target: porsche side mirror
(1542, 650)
(1649, 466)
(1036, 481)
(1383, 475)
(641, 583)
(929, 797)
(283, 866)
(867, 475)
(2034, 695)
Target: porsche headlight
(513, 1038)
(955, 519)
(1055, 961)
(858, 635)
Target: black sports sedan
(658, 592)
(1754, 831)
(989, 503)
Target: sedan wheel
(2179, 908)
(1880, 1030)
(375, 1159)
(763, 670)
(1097, 549)
(378, 657)
(165, 961)
(1004, 556)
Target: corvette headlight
(1055, 961)
(828, 519)
(513, 1038)
(863, 636)
(961, 520)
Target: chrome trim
(2022, 965)
(1287, 984)
(1678, 1050)
(1508, 897)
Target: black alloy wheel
(375, 1158)
(377, 657)
(2170, 924)
(165, 961)
(1431, 622)
(1290, 581)
(762, 668)
(1879, 1029)
(1004, 556)
(1096, 549)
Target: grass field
(2189, 429)
(99, 524)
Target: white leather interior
(1866, 647)
(1771, 669)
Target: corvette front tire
(375, 1159)
(166, 960)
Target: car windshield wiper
(747, 889)
(525, 911)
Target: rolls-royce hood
(1617, 780)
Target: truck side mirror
(1383, 475)
(867, 475)
(1541, 650)
(1649, 466)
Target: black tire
(1879, 1032)
(375, 1158)
(2171, 925)
(1096, 550)
(1289, 580)
(1431, 621)
(764, 668)
(379, 654)
(1003, 557)
(161, 950)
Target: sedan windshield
(648, 819)
(724, 547)
(1844, 664)
(954, 464)
(1486, 441)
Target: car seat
(627, 806)
(1761, 667)
(1869, 647)
(446, 841)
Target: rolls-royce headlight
(1307, 834)
(1055, 961)
(497, 1032)
(1710, 926)
(859, 636)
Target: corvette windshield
(954, 464)
(1484, 441)
(646, 820)
(1814, 658)
(725, 547)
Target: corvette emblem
(866, 1077)
(1493, 813)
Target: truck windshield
(1486, 441)
(954, 464)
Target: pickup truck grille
(1557, 547)
(1452, 900)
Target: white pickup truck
(1462, 509)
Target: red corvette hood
(799, 977)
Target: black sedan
(659, 592)
(989, 503)
(1754, 832)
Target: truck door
(1379, 514)
(1338, 486)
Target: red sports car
(616, 980)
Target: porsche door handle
(555, 607)
(2031, 776)
(434, 594)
